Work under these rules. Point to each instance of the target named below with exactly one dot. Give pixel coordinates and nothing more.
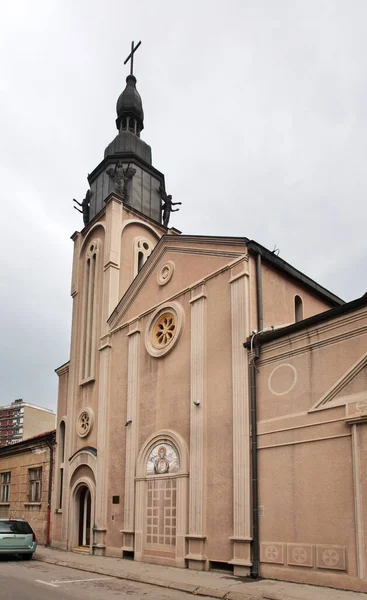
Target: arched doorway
(81, 505)
(161, 500)
(84, 516)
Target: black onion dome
(129, 103)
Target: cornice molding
(63, 369)
(311, 346)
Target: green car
(17, 537)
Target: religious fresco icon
(162, 459)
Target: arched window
(89, 317)
(61, 452)
(298, 309)
(62, 442)
(142, 250)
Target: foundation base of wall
(99, 550)
(240, 571)
(241, 560)
(59, 545)
(128, 541)
(196, 562)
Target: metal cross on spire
(131, 56)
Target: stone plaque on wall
(331, 557)
(300, 555)
(272, 552)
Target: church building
(192, 421)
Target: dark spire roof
(129, 104)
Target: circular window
(164, 329)
(84, 422)
(166, 272)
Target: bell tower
(126, 169)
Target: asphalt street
(33, 580)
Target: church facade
(156, 425)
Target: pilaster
(241, 539)
(131, 435)
(196, 556)
(100, 525)
(111, 263)
(356, 418)
(358, 500)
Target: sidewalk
(201, 583)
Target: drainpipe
(254, 353)
(255, 569)
(48, 524)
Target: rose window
(164, 330)
(84, 422)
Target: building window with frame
(35, 484)
(5, 487)
(142, 250)
(298, 308)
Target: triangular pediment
(194, 258)
(348, 387)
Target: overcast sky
(256, 114)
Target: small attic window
(298, 308)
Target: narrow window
(61, 486)
(140, 260)
(35, 484)
(298, 308)
(89, 313)
(61, 442)
(5, 487)
(142, 250)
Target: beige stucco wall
(279, 292)
(307, 465)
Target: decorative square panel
(300, 555)
(272, 552)
(331, 557)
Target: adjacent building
(26, 471)
(308, 384)
(21, 420)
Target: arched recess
(82, 505)
(91, 261)
(60, 461)
(146, 226)
(162, 501)
(91, 234)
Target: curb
(224, 594)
